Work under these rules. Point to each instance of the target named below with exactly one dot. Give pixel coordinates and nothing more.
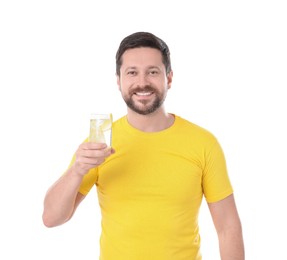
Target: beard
(146, 106)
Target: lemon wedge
(106, 124)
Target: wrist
(77, 171)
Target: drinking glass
(101, 128)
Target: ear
(169, 79)
(119, 82)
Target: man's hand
(89, 155)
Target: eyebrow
(130, 67)
(154, 67)
(149, 67)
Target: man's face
(143, 81)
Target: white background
(57, 65)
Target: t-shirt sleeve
(216, 182)
(89, 181)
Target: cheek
(126, 84)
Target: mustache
(143, 89)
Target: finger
(94, 153)
(94, 146)
(90, 162)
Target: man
(151, 183)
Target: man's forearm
(60, 199)
(231, 244)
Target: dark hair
(143, 39)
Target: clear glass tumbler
(101, 128)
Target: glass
(101, 128)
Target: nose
(142, 80)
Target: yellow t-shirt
(151, 189)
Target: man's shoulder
(188, 127)
(186, 123)
(119, 120)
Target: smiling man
(151, 183)
(143, 80)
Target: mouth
(143, 94)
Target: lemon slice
(106, 124)
(99, 124)
(96, 133)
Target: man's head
(143, 39)
(144, 72)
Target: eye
(153, 72)
(131, 72)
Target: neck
(154, 122)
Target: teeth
(143, 93)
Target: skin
(143, 68)
(143, 83)
(63, 198)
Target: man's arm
(228, 226)
(63, 198)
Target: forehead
(142, 56)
